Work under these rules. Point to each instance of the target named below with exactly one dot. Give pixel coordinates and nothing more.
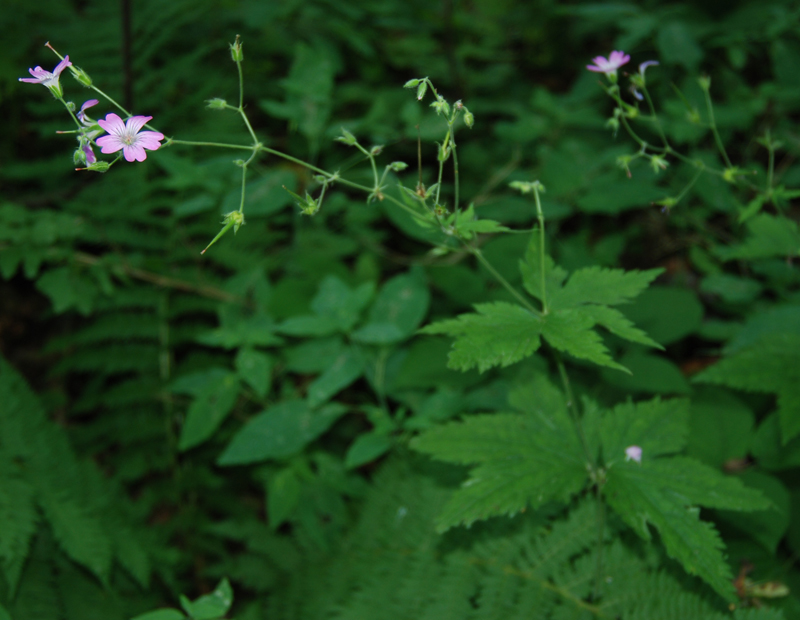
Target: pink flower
(40, 76)
(633, 453)
(127, 137)
(82, 114)
(610, 66)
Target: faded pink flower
(126, 136)
(633, 453)
(40, 76)
(82, 114)
(610, 66)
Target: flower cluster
(125, 136)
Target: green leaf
(571, 331)
(398, 310)
(768, 449)
(499, 334)
(664, 493)
(283, 493)
(339, 303)
(650, 373)
(597, 285)
(67, 289)
(255, 369)
(770, 235)
(694, 543)
(468, 226)
(657, 426)
(279, 432)
(4, 615)
(618, 324)
(161, 614)
(525, 459)
(665, 313)
(236, 331)
(308, 325)
(208, 410)
(531, 271)
(366, 448)
(770, 364)
(19, 517)
(721, 427)
(210, 606)
(345, 369)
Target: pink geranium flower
(609, 66)
(633, 453)
(40, 76)
(126, 136)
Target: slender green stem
(241, 83)
(220, 145)
(441, 168)
(655, 118)
(455, 166)
(244, 180)
(572, 407)
(542, 256)
(505, 283)
(713, 124)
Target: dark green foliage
(177, 428)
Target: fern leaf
(499, 334)
(18, 521)
(524, 460)
(598, 285)
(770, 364)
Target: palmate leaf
(665, 493)
(571, 331)
(531, 269)
(525, 459)
(598, 285)
(499, 334)
(769, 364)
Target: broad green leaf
(721, 427)
(498, 334)
(525, 459)
(308, 325)
(67, 288)
(769, 235)
(161, 614)
(366, 448)
(665, 314)
(279, 432)
(531, 271)
(255, 369)
(237, 330)
(314, 356)
(339, 303)
(283, 493)
(768, 449)
(766, 526)
(731, 289)
(468, 226)
(571, 331)
(208, 410)
(618, 324)
(657, 426)
(210, 606)
(597, 285)
(343, 371)
(771, 364)
(398, 310)
(651, 374)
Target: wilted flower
(40, 76)
(644, 65)
(126, 136)
(609, 66)
(633, 453)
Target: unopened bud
(469, 119)
(411, 83)
(81, 75)
(397, 166)
(376, 150)
(216, 104)
(346, 138)
(236, 50)
(421, 90)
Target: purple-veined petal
(109, 144)
(134, 152)
(112, 124)
(135, 123)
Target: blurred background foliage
(245, 413)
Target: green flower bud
(411, 83)
(236, 50)
(346, 137)
(216, 104)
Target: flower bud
(216, 104)
(81, 75)
(411, 83)
(421, 90)
(397, 166)
(346, 138)
(705, 82)
(99, 166)
(469, 119)
(376, 150)
(236, 50)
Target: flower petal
(134, 152)
(62, 65)
(109, 144)
(135, 123)
(112, 124)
